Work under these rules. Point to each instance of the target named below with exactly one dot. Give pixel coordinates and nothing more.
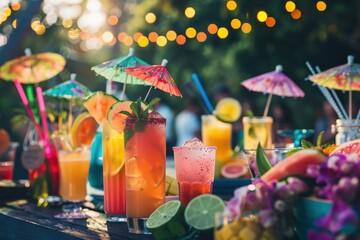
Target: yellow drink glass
(257, 130)
(217, 133)
(145, 164)
(74, 169)
(113, 173)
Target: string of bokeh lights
(84, 26)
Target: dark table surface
(21, 218)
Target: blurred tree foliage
(323, 38)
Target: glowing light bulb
(150, 18)
(190, 12)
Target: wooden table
(22, 219)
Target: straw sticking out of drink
(332, 99)
(202, 92)
(358, 116)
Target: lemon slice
(113, 151)
(228, 110)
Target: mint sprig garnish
(139, 114)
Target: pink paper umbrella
(274, 82)
(157, 76)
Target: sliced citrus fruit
(98, 105)
(4, 141)
(83, 130)
(352, 147)
(200, 212)
(167, 221)
(117, 119)
(172, 186)
(113, 152)
(228, 110)
(234, 169)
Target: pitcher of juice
(145, 164)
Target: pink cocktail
(195, 168)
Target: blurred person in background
(282, 120)
(187, 122)
(325, 117)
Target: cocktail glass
(7, 162)
(275, 155)
(257, 130)
(145, 164)
(74, 168)
(195, 168)
(217, 133)
(296, 134)
(113, 174)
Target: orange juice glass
(257, 130)
(218, 134)
(113, 173)
(145, 164)
(74, 169)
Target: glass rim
(149, 119)
(204, 147)
(257, 119)
(269, 149)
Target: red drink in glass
(195, 169)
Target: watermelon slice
(98, 105)
(295, 164)
(117, 119)
(352, 147)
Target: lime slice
(228, 110)
(200, 212)
(167, 222)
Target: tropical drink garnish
(98, 105)
(83, 130)
(116, 118)
(139, 113)
(228, 110)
